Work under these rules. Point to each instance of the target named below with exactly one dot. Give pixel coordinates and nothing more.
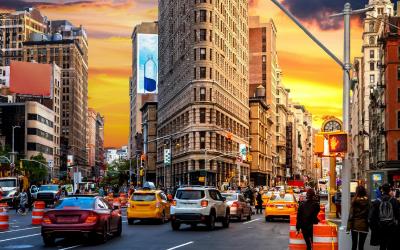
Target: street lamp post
(13, 150)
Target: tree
(118, 172)
(35, 171)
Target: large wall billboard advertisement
(147, 63)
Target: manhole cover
(18, 246)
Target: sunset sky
(315, 80)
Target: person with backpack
(383, 219)
(358, 219)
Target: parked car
(199, 205)
(81, 215)
(239, 207)
(49, 194)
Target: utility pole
(13, 150)
(344, 240)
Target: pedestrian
(358, 218)
(23, 201)
(307, 216)
(259, 202)
(30, 200)
(383, 217)
(101, 191)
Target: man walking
(307, 216)
(384, 217)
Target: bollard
(296, 242)
(38, 211)
(3, 219)
(4, 206)
(325, 237)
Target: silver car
(239, 207)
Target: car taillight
(204, 203)
(46, 220)
(271, 205)
(158, 205)
(290, 205)
(235, 204)
(174, 203)
(92, 218)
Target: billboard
(28, 78)
(147, 63)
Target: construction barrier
(296, 242)
(4, 225)
(116, 202)
(37, 212)
(123, 198)
(325, 237)
(4, 206)
(321, 215)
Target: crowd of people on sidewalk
(380, 217)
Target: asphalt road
(255, 234)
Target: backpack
(386, 213)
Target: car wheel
(163, 218)
(240, 217)
(119, 230)
(211, 222)
(175, 225)
(103, 237)
(48, 240)
(226, 221)
(193, 226)
(249, 216)
(267, 219)
(131, 221)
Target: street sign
(167, 156)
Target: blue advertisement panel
(147, 63)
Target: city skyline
(304, 71)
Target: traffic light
(338, 143)
(319, 144)
(143, 157)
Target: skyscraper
(203, 91)
(67, 46)
(142, 86)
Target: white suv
(199, 205)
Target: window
(398, 95)
(194, 73)
(371, 54)
(203, 35)
(372, 78)
(195, 54)
(202, 140)
(371, 27)
(195, 94)
(398, 52)
(202, 94)
(372, 66)
(203, 54)
(203, 16)
(264, 59)
(398, 119)
(372, 40)
(203, 72)
(202, 115)
(398, 72)
(398, 150)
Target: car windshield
(76, 203)
(48, 188)
(280, 197)
(190, 194)
(8, 183)
(230, 197)
(143, 197)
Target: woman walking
(358, 219)
(259, 202)
(307, 216)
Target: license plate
(279, 207)
(68, 219)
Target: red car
(78, 215)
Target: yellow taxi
(266, 196)
(280, 205)
(148, 204)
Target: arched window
(371, 27)
(372, 40)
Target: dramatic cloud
(16, 4)
(317, 11)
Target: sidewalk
(367, 246)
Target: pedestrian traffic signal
(338, 143)
(143, 157)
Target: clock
(332, 125)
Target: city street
(255, 234)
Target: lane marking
(185, 244)
(70, 247)
(251, 221)
(124, 221)
(20, 237)
(16, 230)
